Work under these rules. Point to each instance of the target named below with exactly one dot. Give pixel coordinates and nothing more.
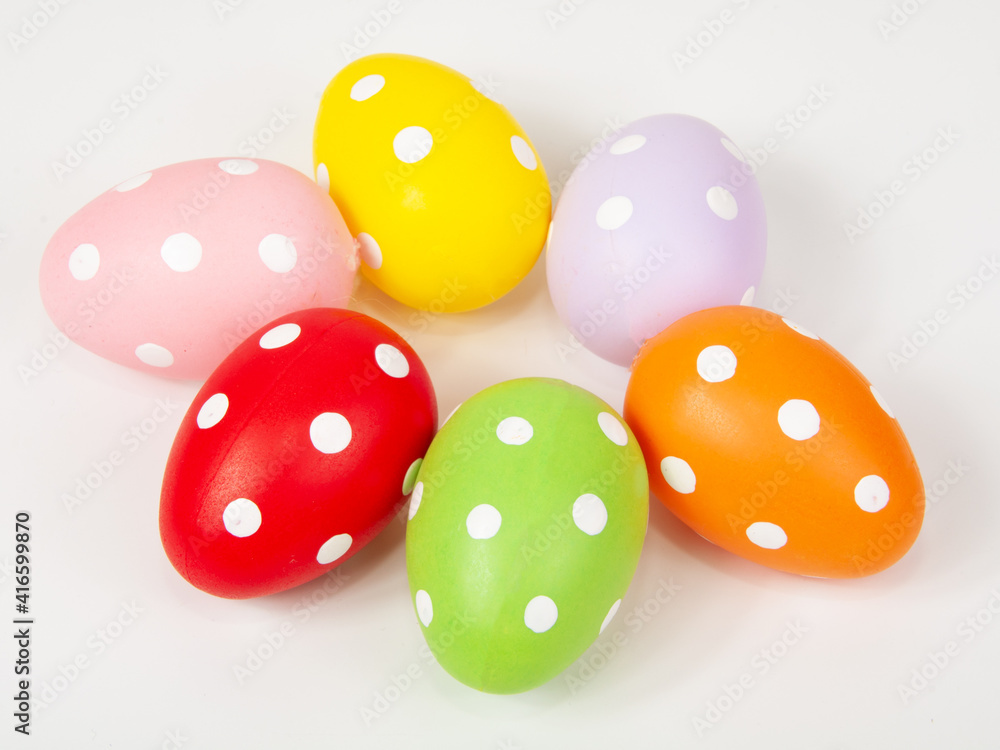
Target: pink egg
(170, 270)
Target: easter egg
(446, 194)
(170, 270)
(295, 453)
(524, 531)
(767, 442)
(664, 220)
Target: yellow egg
(441, 186)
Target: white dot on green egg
(722, 203)
(767, 535)
(483, 522)
(323, 177)
(590, 514)
(610, 616)
(733, 149)
(613, 429)
(614, 212)
(241, 517)
(238, 167)
(425, 607)
(367, 86)
(800, 330)
(627, 144)
(411, 476)
(716, 363)
(368, 248)
(678, 474)
(278, 253)
(280, 336)
(748, 296)
(541, 614)
(515, 431)
(523, 152)
(871, 493)
(181, 252)
(330, 432)
(212, 411)
(84, 262)
(154, 355)
(133, 182)
(391, 361)
(415, 498)
(881, 402)
(798, 419)
(412, 143)
(334, 548)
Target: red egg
(296, 452)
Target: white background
(167, 679)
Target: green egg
(525, 527)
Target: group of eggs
(528, 506)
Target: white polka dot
(371, 253)
(748, 296)
(483, 522)
(610, 616)
(678, 474)
(330, 432)
(154, 355)
(181, 252)
(731, 148)
(411, 476)
(133, 182)
(425, 608)
(523, 152)
(334, 548)
(628, 144)
(716, 363)
(540, 614)
(515, 431)
(241, 517)
(613, 429)
(798, 419)
(323, 177)
(238, 166)
(280, 336)
(213, 410)
(391, 361)
(278, 253)
(589, 514)
(800, 330)
(614, 212)
(415, 498)
(367, 87)
(872, 493)
(881, 402)
(84, 262)
(412, 144)
(722, 203)
(767, 535)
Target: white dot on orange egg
(767, 535)
(871, 493)
(678, 474)
(716, 363)
(798, 419)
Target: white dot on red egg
(280, 336)
(84, 262)
(610, 616)
(678, 474)
(181, 252)
(238, 166)
(590, 514)
(716, 363)
(540, 614)
(881, 402)
(154, 355)
(798, 419)
(391, 361)
(515, 431)
(614, 212)
(412, 144)
(425, 607)
(278, 253)
(523, 152)
(334, 548)
(241, 517)
(748, 296)
(800, 330)
(627, 144)
(722, 203)
(371, 253)
(871, 493)
(133, 182)
(767, 535)
(330, 432)
(733, 149)
(613, 429)
(411, 476)
(483, 522)
(323, 177)
(415, 498)
(213, 410)
(367, 87)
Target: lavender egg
(665, 220)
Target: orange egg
(767, 442)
